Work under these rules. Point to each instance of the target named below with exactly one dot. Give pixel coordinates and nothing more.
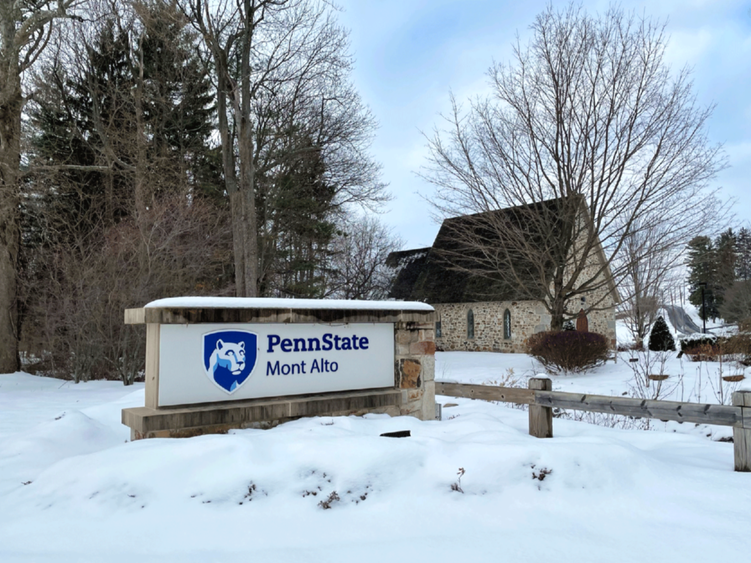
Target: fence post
(742, 436)
(541, 418)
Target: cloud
(688, 46)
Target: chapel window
(470, 324)
(438, 329)
(507, 325)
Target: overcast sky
(411, 53)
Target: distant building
(480, 313)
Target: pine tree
(300, 210)
(178, 102)
(660, 340)
(743, 255)
(86, 129)
(702, 263)
(737, 304)
(726, 264)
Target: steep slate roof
(430, 278)
(408, 265)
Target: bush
(568, 351)
(73, 297)
(736, 347)
(703, 347)
(740, 343)
(660, 340)
(696, 341)
(704, 352)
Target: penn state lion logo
(229, 357)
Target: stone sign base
(183, 422)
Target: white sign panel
(204, 363)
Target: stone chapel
(478, 314)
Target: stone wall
(527, 318)
(414, 368)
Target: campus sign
(204, 363)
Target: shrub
(704, 352)
(740, 343)
(705, 347)
(568, 351)
(660, 340)
(697, 340)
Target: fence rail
(542, 399)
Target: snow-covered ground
(73, 488)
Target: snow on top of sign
(279, 303)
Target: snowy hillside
(73, 488)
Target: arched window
(507, 325)
(470, 324)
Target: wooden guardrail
(541, 399)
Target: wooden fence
(541, 399)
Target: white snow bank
(278, 303)
(71, 489)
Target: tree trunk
(556, 314)
(141, 189)
(245, 151)
(557, 306)
(230, 181)
(249, 227)
(11, 103)
(251, 244)
(238, 240)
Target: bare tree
(648, 265)
(652, 257)
(25, 29)
(587, 136)
(231, 30)
(359, 268)
(280, 69)
(75, 294)
(113, 211)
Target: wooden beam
(153, 334)
(721, 415)
(135, 316)
(486, 392)
(540, 418)
(742, 436)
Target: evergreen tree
(726, 264)
(743, 255)
(298, 210)
(84, 187)
(702, 263)
(660, 340)
(737, 304)
(178, 103)
(87, 134)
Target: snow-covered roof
(279, 303)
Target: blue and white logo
(229, 357)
